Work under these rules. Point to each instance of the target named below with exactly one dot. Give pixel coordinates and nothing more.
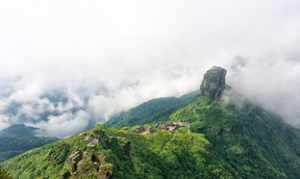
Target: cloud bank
(65, 65)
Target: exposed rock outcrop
(98, 137)
(213, 83)
(93, 141)
(74, 158)
(84, 163)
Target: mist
(66, 65)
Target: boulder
(213, 83)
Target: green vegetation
(253, 142)
(204, 139)
(155, 110)
(18, 139)
(123, 153)
(4, 174)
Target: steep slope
(18, 139)
(253, 142)
(118, 153)
(151, 111)
(210, 137)
(205, 139)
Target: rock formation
(74, 158)
(213, 83)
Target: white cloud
(107, 56)
(65, 125)
(272, 83)
(4, 122)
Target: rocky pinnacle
(213, 83)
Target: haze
(97, 58)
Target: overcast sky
(107, 56)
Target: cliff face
(213, 83)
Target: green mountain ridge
(208, 137)
(218, 141)
(151, 111)
(18, 139)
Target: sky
(65, 65)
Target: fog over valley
(66, 65)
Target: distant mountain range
(18, 139)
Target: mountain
(151, 111)
(158, 110)
(18, 139)
(215, 135)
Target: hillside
(151, 111)
(18, 139)
(210, 137)
(216, 141)
(4, 175)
